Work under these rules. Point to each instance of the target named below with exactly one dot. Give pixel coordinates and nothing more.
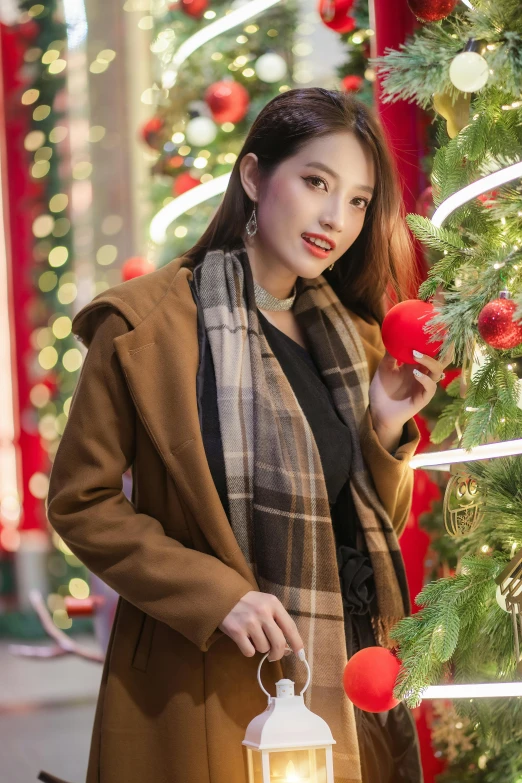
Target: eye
(365, 201)
(317, 179)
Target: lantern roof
(287, 723)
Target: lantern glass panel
(254, 766)
(306, 765)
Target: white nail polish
(416, 372)
(418, 354)
(301, 655)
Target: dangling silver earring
(251, 226)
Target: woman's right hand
(260, 622)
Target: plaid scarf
(277, 494)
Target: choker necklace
(266, 301)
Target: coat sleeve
(87, 507)
(391, 473)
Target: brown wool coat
(176, 693)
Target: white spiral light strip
(162, 220)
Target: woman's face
(324, 189)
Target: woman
(270, 478)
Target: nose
(335, 218)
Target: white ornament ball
(201, 131)
(469, 71)
(270, 67)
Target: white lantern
(288, 743)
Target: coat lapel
(160, 359)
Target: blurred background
(119, 123)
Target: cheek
(279, 204)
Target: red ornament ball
(352, 83)
(488, 198)
(135, 267)
(403, 330)
(431, 10)
(194, 8)
(228, 101)
(152, 131)
(183, 183)
(335, 15)
(496, 325)
(369, 679)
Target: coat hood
(134, 299)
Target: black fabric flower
(356, 576)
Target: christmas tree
(215, 68)
(467, 66)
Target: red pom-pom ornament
(228, 101)
(369, 679)
(135, 267)
(335, 15)
(352, 83)
(431, 10)
(403, 330)
(496, 325)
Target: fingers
(425, 380)
(260, 622)
(288, 627)
(434, 367)
(239, 636)
(276, 639)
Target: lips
(322, 237)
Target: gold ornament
(463, 503)
(510, 582)
(450, 732)
(455, 111)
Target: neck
(276, 280)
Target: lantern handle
(263, 659)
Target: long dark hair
(379, 268)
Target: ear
(249, 173)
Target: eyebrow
(332, 173)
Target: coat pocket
(141, 656)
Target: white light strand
(480, 690)
(162, 220)
(188, 47)
(444, 459)
(493, 180)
